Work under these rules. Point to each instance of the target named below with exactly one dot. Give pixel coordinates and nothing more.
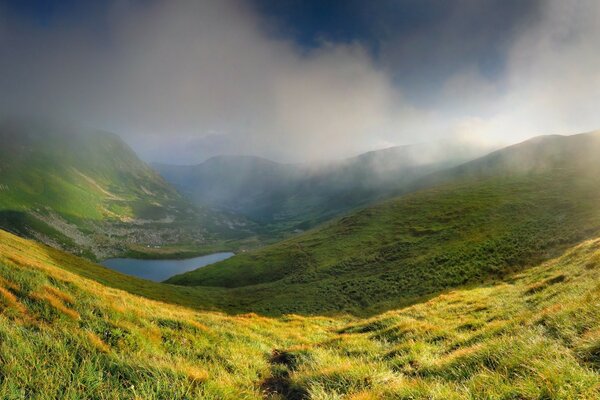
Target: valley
(299, 200)
(477, 280)
(532, 334)
(291, 198)
(483, 219)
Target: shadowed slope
(288, 197)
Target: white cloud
(552, 83)
(175, 71)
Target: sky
(303, 81)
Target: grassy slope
(65, 184)
(415, 245)
(64, 336)
(76, 173)
(534, 335)
(407, 248)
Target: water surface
(160, 270)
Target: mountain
(485, 218)
(482, 283)
(66, 333)
(244, 184)
(288, 197)
(87, 191)
(537, 155)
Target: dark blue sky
(421, 42)
(49, 12)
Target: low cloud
(184, 80)
(552, 79)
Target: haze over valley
(256, 199)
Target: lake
(160, 270)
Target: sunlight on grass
(535, 335)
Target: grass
(483, 288)
(414, 246)
(499, 340)
(65, 336)
(89, 193)
(533, 335)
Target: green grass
(77, 189)
(486, 218)
(533, 335)
(485, 287)
(64, 336)
(413, 246)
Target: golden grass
(11, 301)
(56, 303)
(478, 342)
(65, 297)
(97, 342)
(194, 374)
(364, 395)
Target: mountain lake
(160, 270)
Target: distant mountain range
(289, 197)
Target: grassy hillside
(292, 197)
(533, 335)
(87, 191)
(478, 225)
(543, 154)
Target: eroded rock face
(107, 239)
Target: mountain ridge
(295, 197)
(64, 184)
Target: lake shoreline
(159, 270)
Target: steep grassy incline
(77, 172)
(87, 191)
(534, 335)
(476, 227)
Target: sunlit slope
(475, 227)
(541, 154)
(64, 336)
(87, 191)
(533, 335)
(76, 172)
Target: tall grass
(533, 335)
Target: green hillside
(87, 191)
(533, 335)
(474, 226)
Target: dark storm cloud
(183, 80)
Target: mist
(182, 81)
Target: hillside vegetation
(532, 335)
(87, 192)
(476, 225)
